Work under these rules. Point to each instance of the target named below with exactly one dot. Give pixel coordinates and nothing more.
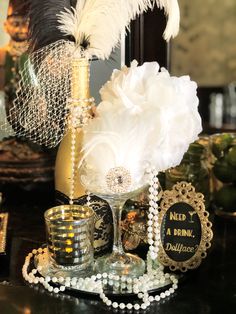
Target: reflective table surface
(211, 289)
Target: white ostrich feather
(146, 117)
(172, 10)
(101, 22)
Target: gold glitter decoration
(118, 180)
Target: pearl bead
(155, 218)
(150, 216)
(60, 279)
(151, 203)
(123, 285)
(117, 277)
(50, 288)
(115, 305)
(123, 278)
(157, 298)
(47, 278)
(136, 307)
(129, 306)
(122, 306)
(162, 295)
(73, 282)
(147, 303)
(143, 306)
(54, 279)
(153, 255)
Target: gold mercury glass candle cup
(69, 233)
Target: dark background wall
(145, 43)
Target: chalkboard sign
(185, 230)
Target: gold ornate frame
(185, 192)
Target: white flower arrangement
(146, 117)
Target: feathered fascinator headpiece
(146, 118)
(60, 31)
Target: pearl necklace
(79, 115)
(153, 230)
(139, 286)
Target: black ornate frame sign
(185, 230)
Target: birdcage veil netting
(39, 111)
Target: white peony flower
(129, 84)
(146, 116)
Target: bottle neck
(80, 88)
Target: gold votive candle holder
(69, 233)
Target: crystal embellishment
(118, 180)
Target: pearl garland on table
(140, 285)
(95, 283)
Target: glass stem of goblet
(116, 207)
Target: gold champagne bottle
(67, 181)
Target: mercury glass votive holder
(69, 233)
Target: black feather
(43, 25)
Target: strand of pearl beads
(73, 168)
(95, 283)
(78, 113)
(153, 231)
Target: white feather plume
(101, 22)
(146, 117)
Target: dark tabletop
(211, 289)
